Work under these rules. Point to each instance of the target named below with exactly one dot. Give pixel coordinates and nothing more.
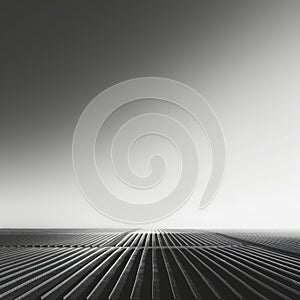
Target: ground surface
(148, 264)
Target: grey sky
(242, 56)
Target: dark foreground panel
(154, 264)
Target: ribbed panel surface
(145, 264)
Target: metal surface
(147, 264)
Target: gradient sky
(242, 56)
